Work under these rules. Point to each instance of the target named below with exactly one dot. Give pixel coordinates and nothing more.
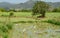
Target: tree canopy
(40, 7)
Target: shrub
(53, 22)
(4, 29)
(9, 26)
(5, 35)
(56, 10)
(11, 14)
(4, 15)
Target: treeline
(56, 10)
(14, 10)
(27, 10)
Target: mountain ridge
(26, 5)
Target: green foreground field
(26, 16)
(37, 29)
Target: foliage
(53, 22)
(4, 15)
(2, 9)
(9, 26)
(40, 7)
(12, 10)
(11, 14)
(56, 10)
(4, 29)
(25, 10)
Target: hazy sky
(19, 1)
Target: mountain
(26, 5)
(55, 4)
(6, 5)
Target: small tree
(40, 7)
(10, 15)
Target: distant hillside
(26, 5)
(6, 5)
(55, 4)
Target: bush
(56, 10)
(9, 26)
(5, 35)
(4, 15)
(53, 22)
(4, 29)
(11, 14)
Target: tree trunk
(43, 15)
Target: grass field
(25, 26)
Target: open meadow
(26, 26)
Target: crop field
(26, 26)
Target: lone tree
(40, 7)
(11, 14)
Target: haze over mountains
(26, 5)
